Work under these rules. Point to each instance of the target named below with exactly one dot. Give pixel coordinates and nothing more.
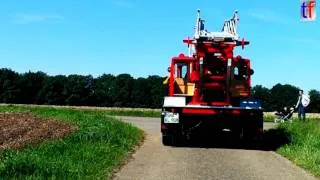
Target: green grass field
(112, 111)
(102, 143)
(92, 152)
(304, 146)
(137, 112)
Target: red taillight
(260, 130)
(163, 126)
(237, 112)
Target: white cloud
(268, 15)
(25, 18)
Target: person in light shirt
(300, 107)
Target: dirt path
(155, 161)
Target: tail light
(260, 130)
(237, 112)
(163, 126)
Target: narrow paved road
(154, 161)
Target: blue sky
(140, 37)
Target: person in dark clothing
(300, 107)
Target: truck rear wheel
(251, 135)
(167, 140)
(175, 139)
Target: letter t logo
(308, 10)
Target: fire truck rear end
(209, 89)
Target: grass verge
(112, 111)
(304, 144)
(133, 112)
(117, 111)
(268, 118)
(99, 146)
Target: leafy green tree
(314, 106)
(157, 90)
(53, 90)
(122, 90)
(103, 88)
(264, 94)
(141, 93)
(78, 90)
(10, 82)
(31, 84)
(283, 95)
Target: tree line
(118, 91)
(79, 90)
(281, 95)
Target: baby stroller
(284, 115)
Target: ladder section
(215, 81)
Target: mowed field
(89, 143)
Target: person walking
(303, 102)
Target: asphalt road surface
(154, 161)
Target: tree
(31, 84)
(314, 106)
(10, 91)
(103, 87)
(53, 91)
(262, 93)
(141, 93)
(122, 90)
(157, 90)
(78, 90)
(283, 95)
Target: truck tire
(251, 137)
(173, 140)
(167, 140)
(247, 134)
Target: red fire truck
(209, 89)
